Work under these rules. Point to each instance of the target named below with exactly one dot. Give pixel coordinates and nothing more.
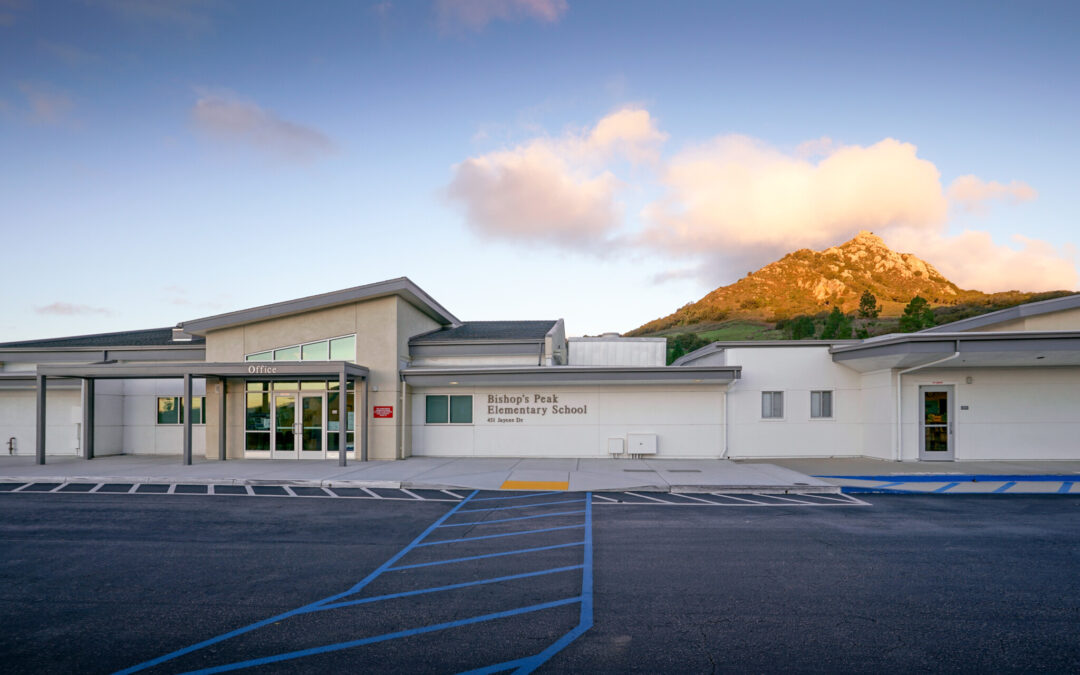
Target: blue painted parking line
(500, 554)
(342, 600)
(534, 494)
(1005, 487)
(387, 636)
(501, 534)
(1065, 487)
(450, 587)
(507, 520)
(524, 506)
(946, 488)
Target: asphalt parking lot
(180, 582)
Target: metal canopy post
(88, 418)
(362, 413)
(222, 435)
(40, 449)
(343, 421)
(186, 412)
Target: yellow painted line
(535, 485)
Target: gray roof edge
(1009, 314)
(922, 336)
(480, 370)
(476, 341)
(551, 331)
(401, 286)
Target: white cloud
(70, 309)
(972, 193)
(474, 15)
(739, 193)
(973, 260)
(555, 190)
(224, 115)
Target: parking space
(498, 563)
(431, 495)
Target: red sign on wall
(384, 411)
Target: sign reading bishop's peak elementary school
(521, 408)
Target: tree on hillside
(799, 328)
(917, 315)
(683, 343)
(837, 326)
(868, 307)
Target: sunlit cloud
(475, 15)
(735, 192)
(223, 115)
(973, 260)
(555, 190)
(70, 309)
(972, 193)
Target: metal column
(222, 434)
(362, 413)
(88, 418)
(186, 412)
(40, 449)
(343, 418)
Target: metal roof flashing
(402, 287)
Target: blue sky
(601, 162)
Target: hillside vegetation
(763, 304)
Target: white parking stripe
(134, 487)
(371, 493)
(452, 494)
(412, 494)
(606, 499)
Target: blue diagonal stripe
(486, 555)
(501, 534)
(386, 636)
(1006, 486)
(946, 488)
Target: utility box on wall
(641, 444)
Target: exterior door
(936, 422)
(312, 425)
(285, 427)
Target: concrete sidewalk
(646, 475)
(862, 474)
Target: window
(448, 410)
(772, 405)
(170, 409)
(334, 349)
(820, 404)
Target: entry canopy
(276, 370)
(974, 350)
(570, 375)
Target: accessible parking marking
(409, 568)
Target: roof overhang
(183, 352)
(262, 370)
(401, 287)
(1010, 314)
(976, 350)
(477, 348)
(570, 375)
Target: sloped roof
(151, 337)
(488, 330)
(1009, 314)
(402, 287)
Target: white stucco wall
(796, 371)
(1013, 413)
(142, 435)
(688, 420)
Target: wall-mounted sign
(521, 408)
(261, 369)
(384, 411)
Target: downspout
(899, 407)
(727, 418)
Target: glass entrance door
(312, 424)
(285, 427)
(936, 423)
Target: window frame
(772, 394)
(268, 354)
(832, 404)
(178, 401)
(450, 421)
